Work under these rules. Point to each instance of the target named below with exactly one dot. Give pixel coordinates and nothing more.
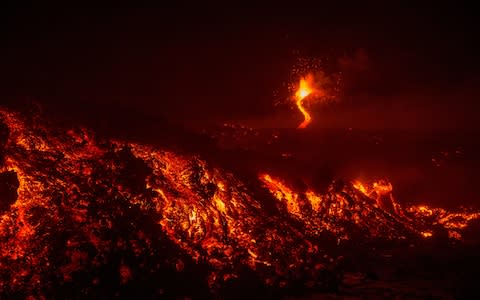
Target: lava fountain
(304, 90)
(307, 90)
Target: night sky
(403, 67)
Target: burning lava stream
(82, 215)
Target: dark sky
(189, 63)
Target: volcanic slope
(93, 217)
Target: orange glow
(382, 187)
(305, 89)
(315, 200)
(360, 187)
(283, 194)
(427, 234)
(454, 221)
(73, 188)
(324, 212)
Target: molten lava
(111, 211)
(305, 89)
(91, 213)
(355, 207)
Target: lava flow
(347, 209)
(83, 215)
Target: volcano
(88, 216)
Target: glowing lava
(89, 214)
(366, 207)
(304, 90)
(308, 89)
